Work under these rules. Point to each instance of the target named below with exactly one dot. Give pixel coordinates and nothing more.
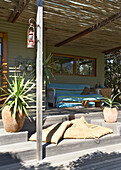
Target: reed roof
(65, 18)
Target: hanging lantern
(31, 35)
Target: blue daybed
(68, 95)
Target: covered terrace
(80, 27)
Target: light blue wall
(17, 44)
(17, 49)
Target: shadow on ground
(95, 161)
(8, 158)
(73, 110)
(10, 161)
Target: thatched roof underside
(65, 18)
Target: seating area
(70, 95)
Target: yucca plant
(17, 95)
(47, 69)
(110, 102)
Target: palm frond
(15, 108)
(30, 88)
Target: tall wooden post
(39, 78)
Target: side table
(98, 103)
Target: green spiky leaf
(18, 94)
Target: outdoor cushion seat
(69, 95)
(80, 129)
(77, 129)
(61, 99)
(53, 133)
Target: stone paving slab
(116, 127)
(27, 150)
(10, 138)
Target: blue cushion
(67, 86)
(67, 92)
(61, 104)
(78, 98)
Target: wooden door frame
(4, 59)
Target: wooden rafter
(111, 50)
(64, 18)
(18, 10)
(90, 29)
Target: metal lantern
(31, 35)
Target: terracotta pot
(110, 114)
(11, 124)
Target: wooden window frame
(74, 67)
(62, 55)
(1, 56)
(4, 59)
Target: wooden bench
(85, 103)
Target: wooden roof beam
(111, 50)
(90, 29)
(18, 10)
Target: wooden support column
(39, 78)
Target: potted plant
(47, 69)
(110, 110)
(16, 97)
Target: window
(85, 66)
(74, 65)
(63, 64)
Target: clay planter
(110, 114)
(11, 124)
